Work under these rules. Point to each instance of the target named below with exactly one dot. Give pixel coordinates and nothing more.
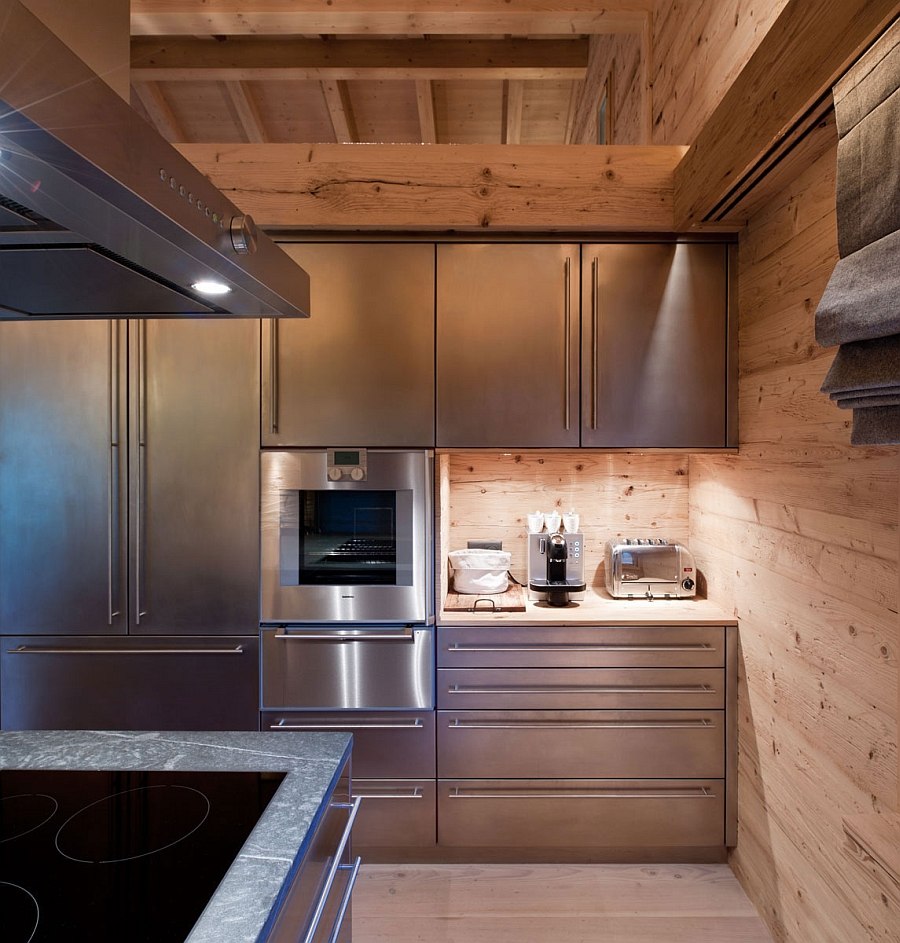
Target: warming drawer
(581, 744)
(658, 646)
(559, 814)
(580, 688)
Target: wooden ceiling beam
(514, 98)
(425, 104)
(236, 59)
(501, 187)
(340, 110)
(809, 46)
(159, 111)
(246, 112)
(386, 17)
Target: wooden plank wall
(798, 532)
(616, 494)
(699, 46)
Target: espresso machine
(556, 568)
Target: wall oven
(347, 605)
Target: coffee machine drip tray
(571, 586)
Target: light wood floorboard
(543, 903)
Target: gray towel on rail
(862, 297)
(859, 402)
(878, 425)
(866, 394)
(872, 365)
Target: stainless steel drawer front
(660, 646)
(325, 670)
(580, 813)
(580, 688)
(581, 744)
(386, 745)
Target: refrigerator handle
(113, 537)
(141, 469)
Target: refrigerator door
(62, 477)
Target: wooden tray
(513, 600)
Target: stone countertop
(599, 608)
(242, 904)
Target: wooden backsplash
(488, 495)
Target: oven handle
(403, 635)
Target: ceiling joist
(244, 60)
(340, 110)
(425, 105)
(158, 110)
(246, 112)
(386, 17)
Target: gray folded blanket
(872, 365)
(881, 391)
(876, 425)
(862, 297)
(858, 402)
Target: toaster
(649, 567)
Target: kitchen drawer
(580, 813)
(655, 646)
(386, 745)
(394, 814)
(580, 688)
(581, 744)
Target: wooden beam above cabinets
(386, 17)
(778, 95)
(466, 187)
(281, 59)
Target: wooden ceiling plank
(340, 109)
(514, 93)
(159, 110)
(237, 59)
(247, 113)
(425, 104)
(474, 188)
(600, 62)
(385, 17)
(810, 44)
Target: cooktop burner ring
(144, 854)
(33, 899)
(43, 821)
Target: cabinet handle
(567, 326)
(404, 635)
(661, 792)
(337, 725)
(595, 340)
(112, 480)
(273, 375)
(333, 870)
(581, 689)
(142, 454)
(562, 647)
(414, 792)
(345, 899)
(583, 725)
(41, 650)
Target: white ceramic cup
(571, 520)
(551, 521)
(535, 522)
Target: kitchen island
(256, 883)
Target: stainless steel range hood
(100, 216)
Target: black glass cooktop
(114, 856)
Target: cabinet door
(654, 345)
(62, 477)
(360, 370)
(194, 477)
(507, 346)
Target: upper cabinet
(654, 345)
(360, 370)
(507, 346)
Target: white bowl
(480, 582)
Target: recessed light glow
(209, 286)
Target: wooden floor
(553, 904)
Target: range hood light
(209, 286)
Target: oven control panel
(347, 465)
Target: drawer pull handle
(345, 898)
(333, 870)
(581, 689)
(404, 635)
(337, 725)
(414, 792)
(583, 725)
(40, 650)
(506, 649)
(694, 792)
